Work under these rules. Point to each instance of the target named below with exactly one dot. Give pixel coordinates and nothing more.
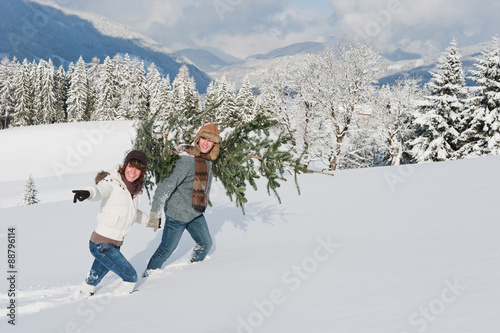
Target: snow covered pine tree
(30, 196)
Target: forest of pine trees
(329, 104)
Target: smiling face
(205, 145)
(132, 173)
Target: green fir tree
(248, 152)
(254, 150)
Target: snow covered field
(389, 250)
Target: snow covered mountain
(204, 59)
(297, 48)
(397, 64)
(401, 249)
(34, 29)
(421, 67)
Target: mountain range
(35, 29)
(398, 64)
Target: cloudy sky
(246, 27)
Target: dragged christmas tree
(252, 150)
(248, 152)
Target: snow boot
(85, 291)
(125, 288)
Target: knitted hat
(209, 132)
(138, 155)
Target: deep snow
(393, 249)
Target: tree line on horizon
(328, 103)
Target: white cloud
(429, 25)
(245, 27)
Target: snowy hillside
(381, 250)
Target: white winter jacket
(118, 208)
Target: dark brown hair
(136, 164)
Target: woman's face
(205, 145)
(131, 173)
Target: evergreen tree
(483, 123)
(138, 91)
(210, 104)
(226, 113)
(43, 92)
(248, 152)
(153, 85)
(48, 91)
(6, 90)
(23, 97)
(251, 151)
(30, 195)
(107, 92)
(38, 98)
(78, 93)
(124, 77)
(185, 94)
(61, 94)
(122, 74)
(165, 100)
(186, 105)
(93, 74)
(154, 140)
(441, 113)
(245, 102)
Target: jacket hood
(100, 176)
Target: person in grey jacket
(119, 193)
(183, 195)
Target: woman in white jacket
(119, 193)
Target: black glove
(80, 195)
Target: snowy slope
(393, 249)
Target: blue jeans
(172, 233)
(109, 258)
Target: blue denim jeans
(172, 233)
(109, 258)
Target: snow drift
(392, 249)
